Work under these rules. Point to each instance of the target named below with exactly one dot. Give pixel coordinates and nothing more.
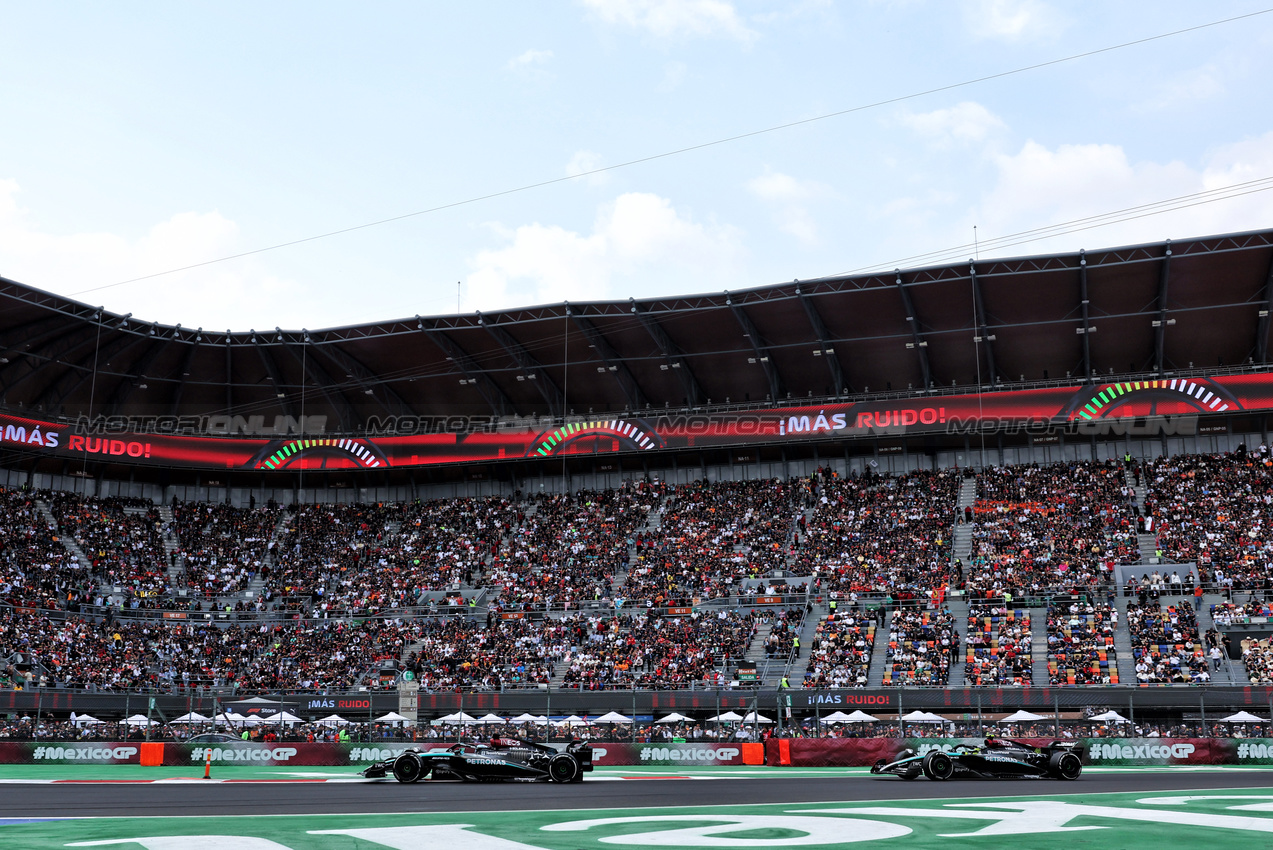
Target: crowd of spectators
(121, 537)
(223, 547)
(36, 570)
(998, 647)
(1081, 643)
(921, 646)
(840, 655)
(1165, 644)
(1063, 526)
(875, 534)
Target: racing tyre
(1065, 765)
(938, 765)
(563, 768)
(408, 767)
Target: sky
(529, 153)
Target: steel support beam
(1085, 303)
(392, 403)
(174, 408)
(339, 404)
(820, 331)
(776, 390)
(917, 342)
(672, 352)
(494, 396)
(84, 371)
(614, 364)
(1262, 327)
(124, 389)
(534, 369)
(1160, 335)
(981, 334)
(276, 380)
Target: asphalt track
(113, 800)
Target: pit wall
(794, 752)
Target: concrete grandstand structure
(622, 505)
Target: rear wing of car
(582, 753)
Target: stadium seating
(998, 647)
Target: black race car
(997, 759)
(501, 759)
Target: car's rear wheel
(408, 767)
(1066, 765)
(563, 768)
(938, 765)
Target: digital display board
(1087, 409)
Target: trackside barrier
(796, 752)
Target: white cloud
(789, 196)
(1038, 187)
(1011, 20)
(217, 296)
(965, 123)
(532, 65)
(584, 162)
(636, 237)
(1196, 85)
(673, 76)
(674, 18)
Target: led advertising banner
(1169, 405)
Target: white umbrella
(727, 717)
(922, 717)
(192, 717)
(140, 720)
(1243, 717)
(672, 718)
(1110, 716)
(855, 717)
(612, 717)
(1022, 716)
(753, 717)
(491, 718)
(524, 717)
(283, 717)
(332, 720)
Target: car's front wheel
(408, 767)
(563, 768)
(938, 765)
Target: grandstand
(924, 488)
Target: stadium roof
(1194, 303)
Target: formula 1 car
(501, 759)
(998, 759)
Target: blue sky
(141, 138)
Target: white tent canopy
(672, 718)
(282, 718)
(140, 720)
(572, 720)
(192, 717)
(1110, 716)
(226, 717)
(1243, 717)
(858, 716)
(491, 718)
(332, 720)
(754, 717)
(612, 717)
(457, 717)
(526, 717)
(83, 719)
(727, 717)
(1022, 716)
(923, 717)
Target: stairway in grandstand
(962, 541)
(794, 671)
(879, 657)
(653, 521)
(172, 545)
(1230, 672)
(1148, 542)
(959, 610)
(66, 539)
(257, 584)
(1123, 644)
(1039, 647)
